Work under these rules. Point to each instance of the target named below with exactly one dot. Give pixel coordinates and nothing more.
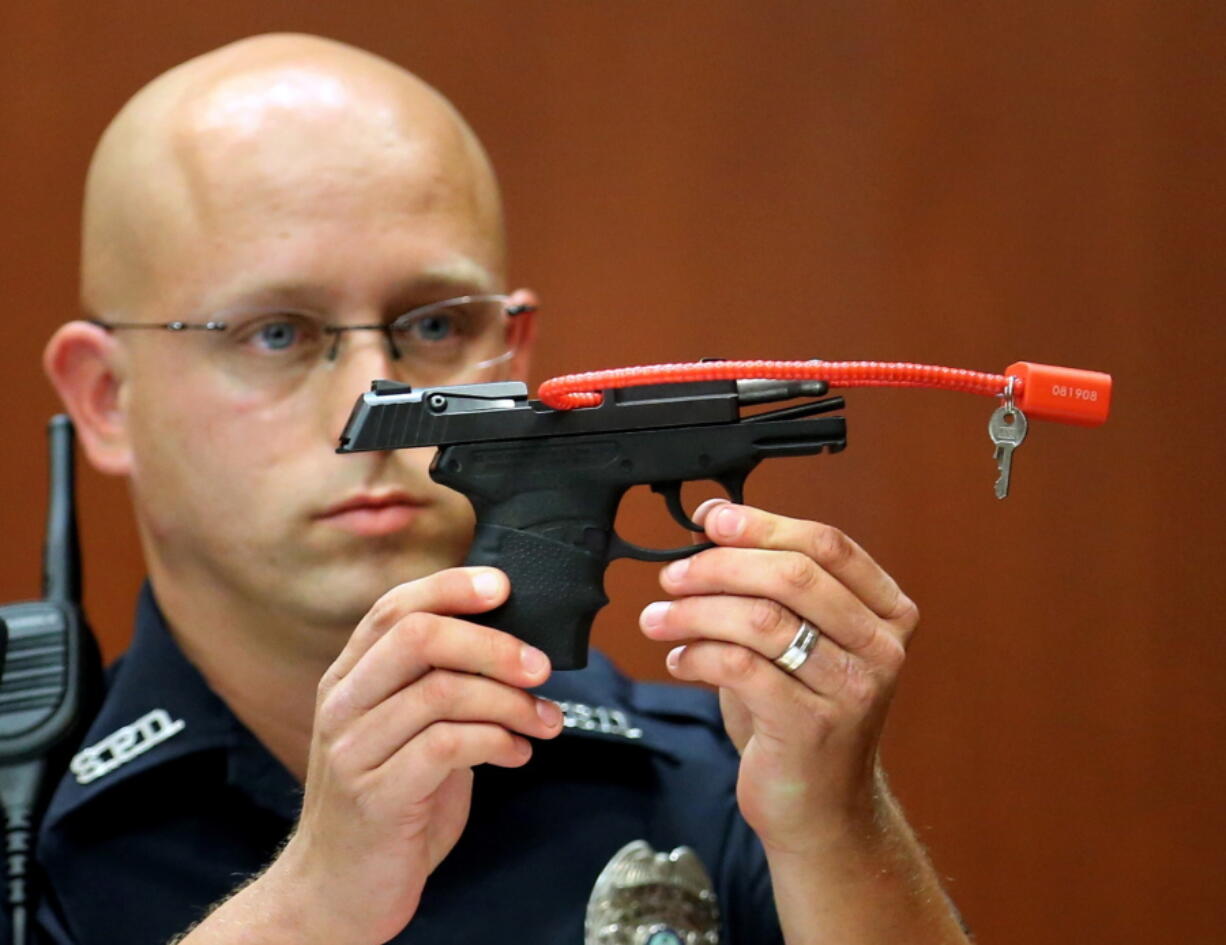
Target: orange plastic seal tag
(1068, 395)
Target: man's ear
(84, 364)
(523, 336)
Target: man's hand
(411, 705)
(808, 741)
(845, 866)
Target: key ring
(1008, 394)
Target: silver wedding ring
(799, 649)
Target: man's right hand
(417, 698)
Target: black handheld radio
(50, 684)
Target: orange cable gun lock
(545, 477)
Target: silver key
(1007, 428)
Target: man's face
(237, 483)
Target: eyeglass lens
(455, 341)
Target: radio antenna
(61, 548)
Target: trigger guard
(620, 548)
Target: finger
(418, 768)
(760, 625)
(781, 706)
(746, 527)
(703, 510)
(443, 695)
(453, 591)
(792, 579)
(421, 642)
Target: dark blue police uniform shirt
(144, 848)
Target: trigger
(672, 498)
(735, 487)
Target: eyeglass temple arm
(164, 326)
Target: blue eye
(435, 328)
(277, 336)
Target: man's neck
(265, 672)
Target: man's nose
(362, 357)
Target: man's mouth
(373, 513)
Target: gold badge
(647, 898)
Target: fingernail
(704, 510)
(676, 570)
(487, 584)
(533, 660)
(654, 614)
(549, 712)
(674, 657)
(728, 522)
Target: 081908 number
(1076, 393)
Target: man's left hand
(808, 740)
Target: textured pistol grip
(556, 591)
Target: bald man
(287, 752)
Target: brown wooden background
(965, 183)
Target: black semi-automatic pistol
(545, 484)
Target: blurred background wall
(963, 183)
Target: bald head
(274, 127)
